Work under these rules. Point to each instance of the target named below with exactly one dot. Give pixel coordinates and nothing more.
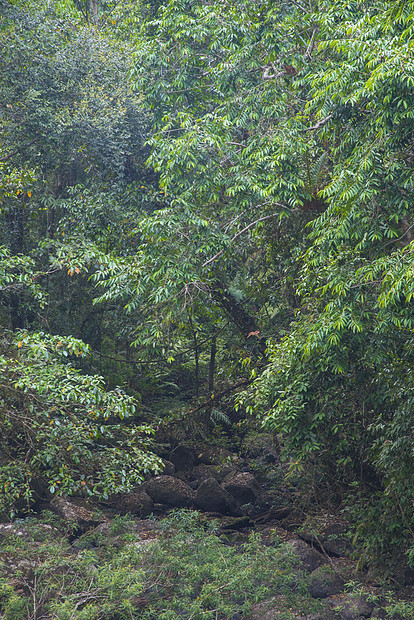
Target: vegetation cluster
(185, 572)
(208, 205)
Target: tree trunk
(15, 220)
(211, 370)
(196, 354)
(93, 7)
(212, 365)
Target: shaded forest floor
(276, 562)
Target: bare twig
(162, 359)
(310, 46)
(216, 397)
(399, 238)
(329, 559)
(302, 8)
(320, 123)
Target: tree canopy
(205, 195)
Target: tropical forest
(206, 309)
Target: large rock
(309, 558)
(259, 444)
(138, 502)
(214, 455)
(37, 533)
(331, 536)
(170, 491)
(279, 608)
(242, 486)
(169, 468)
(74, 513)
(182, 457)
(354, 607)
(212, 498)
(204, 472)
(324, 582)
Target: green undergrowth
(179, 568)
(186, 572)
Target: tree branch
(261, 219)
(10, 155)
(320, 123)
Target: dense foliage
(208, 193)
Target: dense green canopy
(215, 193)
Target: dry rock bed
(240, 500)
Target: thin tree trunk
(16, 231)
(211, 370)
(196, 355)
(94, 11)
(212, 366)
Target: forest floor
(274, 563)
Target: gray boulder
(75, 513)
(169, 468)
(309, 558)
(332, 537)
(212, 498)
(37, 533)
(214, 455)
(182, 457)
(170, 491)
(138, 502)
(354, 607)
(242, 486)
(203, 472)
(324, 582)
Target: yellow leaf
(20, 344)
(29, 193)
